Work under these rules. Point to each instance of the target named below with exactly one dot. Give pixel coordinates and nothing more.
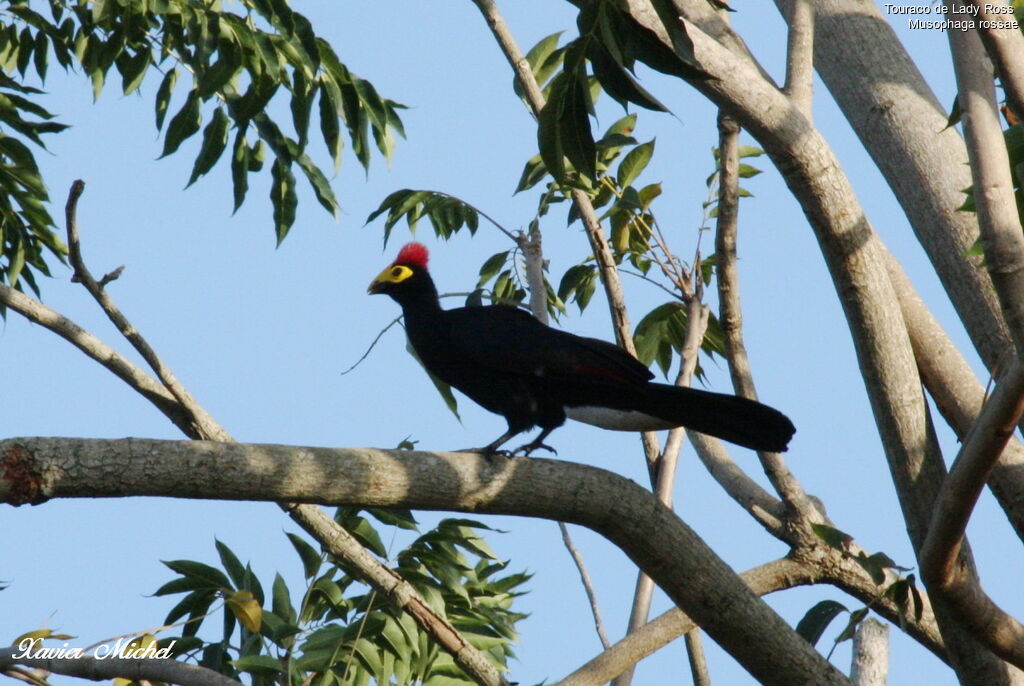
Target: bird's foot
(530, 447)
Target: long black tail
(729, 417)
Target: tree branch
(134, 669)
(197, 423)
(854, 258)
(903, 127)
(800, 56)
(1001, 236)
(203, 423)
(629, 516)
(1005, 48)
(870, 654)
(958, 394)
(1003, 634)
(731, 317)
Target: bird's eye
(396, 272)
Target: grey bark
(632, 518)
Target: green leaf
(538, 59)
(231, 563)
(617, 82)
(183, 124)
(319, 183)
(444, 389)
(330, 106)
(163, 96)
(311, 559)
(634, 163)
(210, 576)
(283, 198)
(215, 139)
(134, 71)
(240, 168)
(258, 664)
(813, 624)
(492, 266)
(833, 537)
(281, 603)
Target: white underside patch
(617, 420)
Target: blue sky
(260, 335)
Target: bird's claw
(530, 447)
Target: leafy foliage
(234, 64)
(903, 591)
(340, 632)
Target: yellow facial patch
(394, 274)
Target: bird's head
(407, 276)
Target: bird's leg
(536, 444)
(492, 447)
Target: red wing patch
(600, 373)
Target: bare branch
(693, 576)
(939, 554)
(870, 654)
(902, 125)
(800, 56)
(730, 312)
(122, 368)
(204, 424)
(1006, 50)
(1001, 235)
(134, 669)
(958, 394)
(698, 665)
(853, 255)
(588, 584)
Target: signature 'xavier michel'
(534, 375)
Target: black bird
(534, 375)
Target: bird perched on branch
(534, 375)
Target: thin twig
(373, 345)
(204, 424)
(588, 584)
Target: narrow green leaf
(283, 198)
(311, 559)
(215, 139)
(183, 124)
(256, 664)
(330, 107)
(163, 96)
(211, 576)
(135, 68)
(231, 563)
(634, 163)
(813, 624)
(240, 168)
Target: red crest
(414, 255)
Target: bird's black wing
(510, 340)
